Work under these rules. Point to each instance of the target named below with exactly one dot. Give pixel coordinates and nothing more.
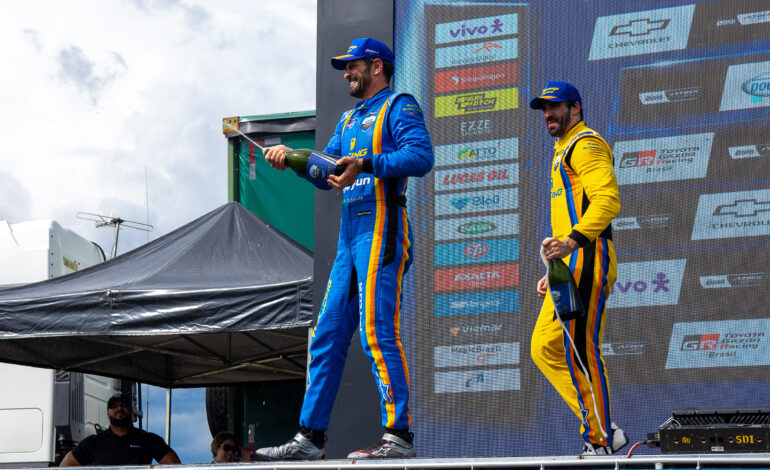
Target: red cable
(631, 450)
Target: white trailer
(43, 411)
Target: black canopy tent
(224, 299)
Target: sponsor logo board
(458, 381)
(477, 77)
(731, 215)
(476, 102)
(506, 275)
(641, 32)
(476, 303)
(481, 151)
(647, 283)
(624, 348)
(663, 159)
(733, 280)
(483, 251)
(476, 53)
(749, 151)
(476, 227)
(487, 354)
(477, 28)
(476, 177)
(730, 343)
(641, 222)
(746, 86)
(476, 201)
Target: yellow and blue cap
(556, 92)
(363, 47)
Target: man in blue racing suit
(382, 141)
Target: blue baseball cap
(363, 47)
(556, 92)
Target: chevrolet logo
(743, 208)
(639, 27)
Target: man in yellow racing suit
(584, 200)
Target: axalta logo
(476, 228)
(476, 250)
(639, 27)
(743, 208)
(757, 86)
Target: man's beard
(121, 422)
(364, 81)
(561, 126)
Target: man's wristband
(368, 167)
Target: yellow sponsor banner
(479, 102)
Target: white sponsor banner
(473, 152)
(746, 86)
(732, 280)
(641, 32)
(728, 343)
(647, 283)
(672, 158)
(731, 215)
(476, 380)
(486, 354)
(749, 151)
(474, 202)
(756, 17)
(477, 28)
(476, 177)
(476, 227)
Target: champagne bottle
(314, 166)
(566, 298)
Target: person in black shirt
(121, 443)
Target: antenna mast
(117, 223)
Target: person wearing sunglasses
(225, 450)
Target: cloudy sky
(114, 107)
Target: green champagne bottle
(296, 159)
(564, 293)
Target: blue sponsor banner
(476, 303)
(477, 28)
(474, 202)
(477, 53)
(476, 380)
(482, 251)
(729, 343)
(473, 152)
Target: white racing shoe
(389, 447)
(298, 448)
(619, 440)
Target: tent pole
(168, 416)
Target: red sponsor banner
(477, 77)
(506, 275)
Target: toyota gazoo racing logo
(758, 86)
(722, 342)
